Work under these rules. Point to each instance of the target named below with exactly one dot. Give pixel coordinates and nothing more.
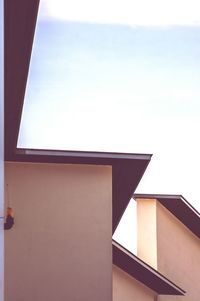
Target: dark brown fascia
(179, 207)
(127, 170)
(19, 27)
(142, 272)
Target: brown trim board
(19, 27)
(179, 207)
(127, 170)
(142, 272)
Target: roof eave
(127, 169)
(144, 273)
(179, 207)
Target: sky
(119, 76)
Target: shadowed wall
(178, 254)
(126, 288)
(175, 248)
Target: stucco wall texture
(177, 249)
(60, 245)
(146, 231)
(126, 288)
(178, 254)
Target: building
(168, 240)
(67, 205)
(62, 230)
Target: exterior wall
(178, 254)
(166, 243)
(146, 231)
(60, 245)
(1, 156)
(126, 288)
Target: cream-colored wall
(168, 245)
(178, 254)
(126, 288)
(60, 245)
(146, 231)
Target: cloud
(127, 12)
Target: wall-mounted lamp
(9, 219)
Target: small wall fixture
(9, 219)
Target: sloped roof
(142, 272)
(179, 207)
(20, 21)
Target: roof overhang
(142, 272)
(179, 207)
(127, 170)
(19, 27)
(20, 21)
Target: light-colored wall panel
(146, 231)
(60, 245)
(126, 288)
(178, 255)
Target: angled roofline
(127, 169)
(88, 157)
(179, 207)
(142, 272)
(19, 27)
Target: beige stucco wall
(178, 254)
(176, 250)
(126, 288)
(60, 245)
(146, 231)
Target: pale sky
(120, 76)
(129, 12)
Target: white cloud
(129, 12)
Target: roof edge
(166, 196)
(127, 170)
(85, 154)
(179, 207)
(158, 282)
(74, 157)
